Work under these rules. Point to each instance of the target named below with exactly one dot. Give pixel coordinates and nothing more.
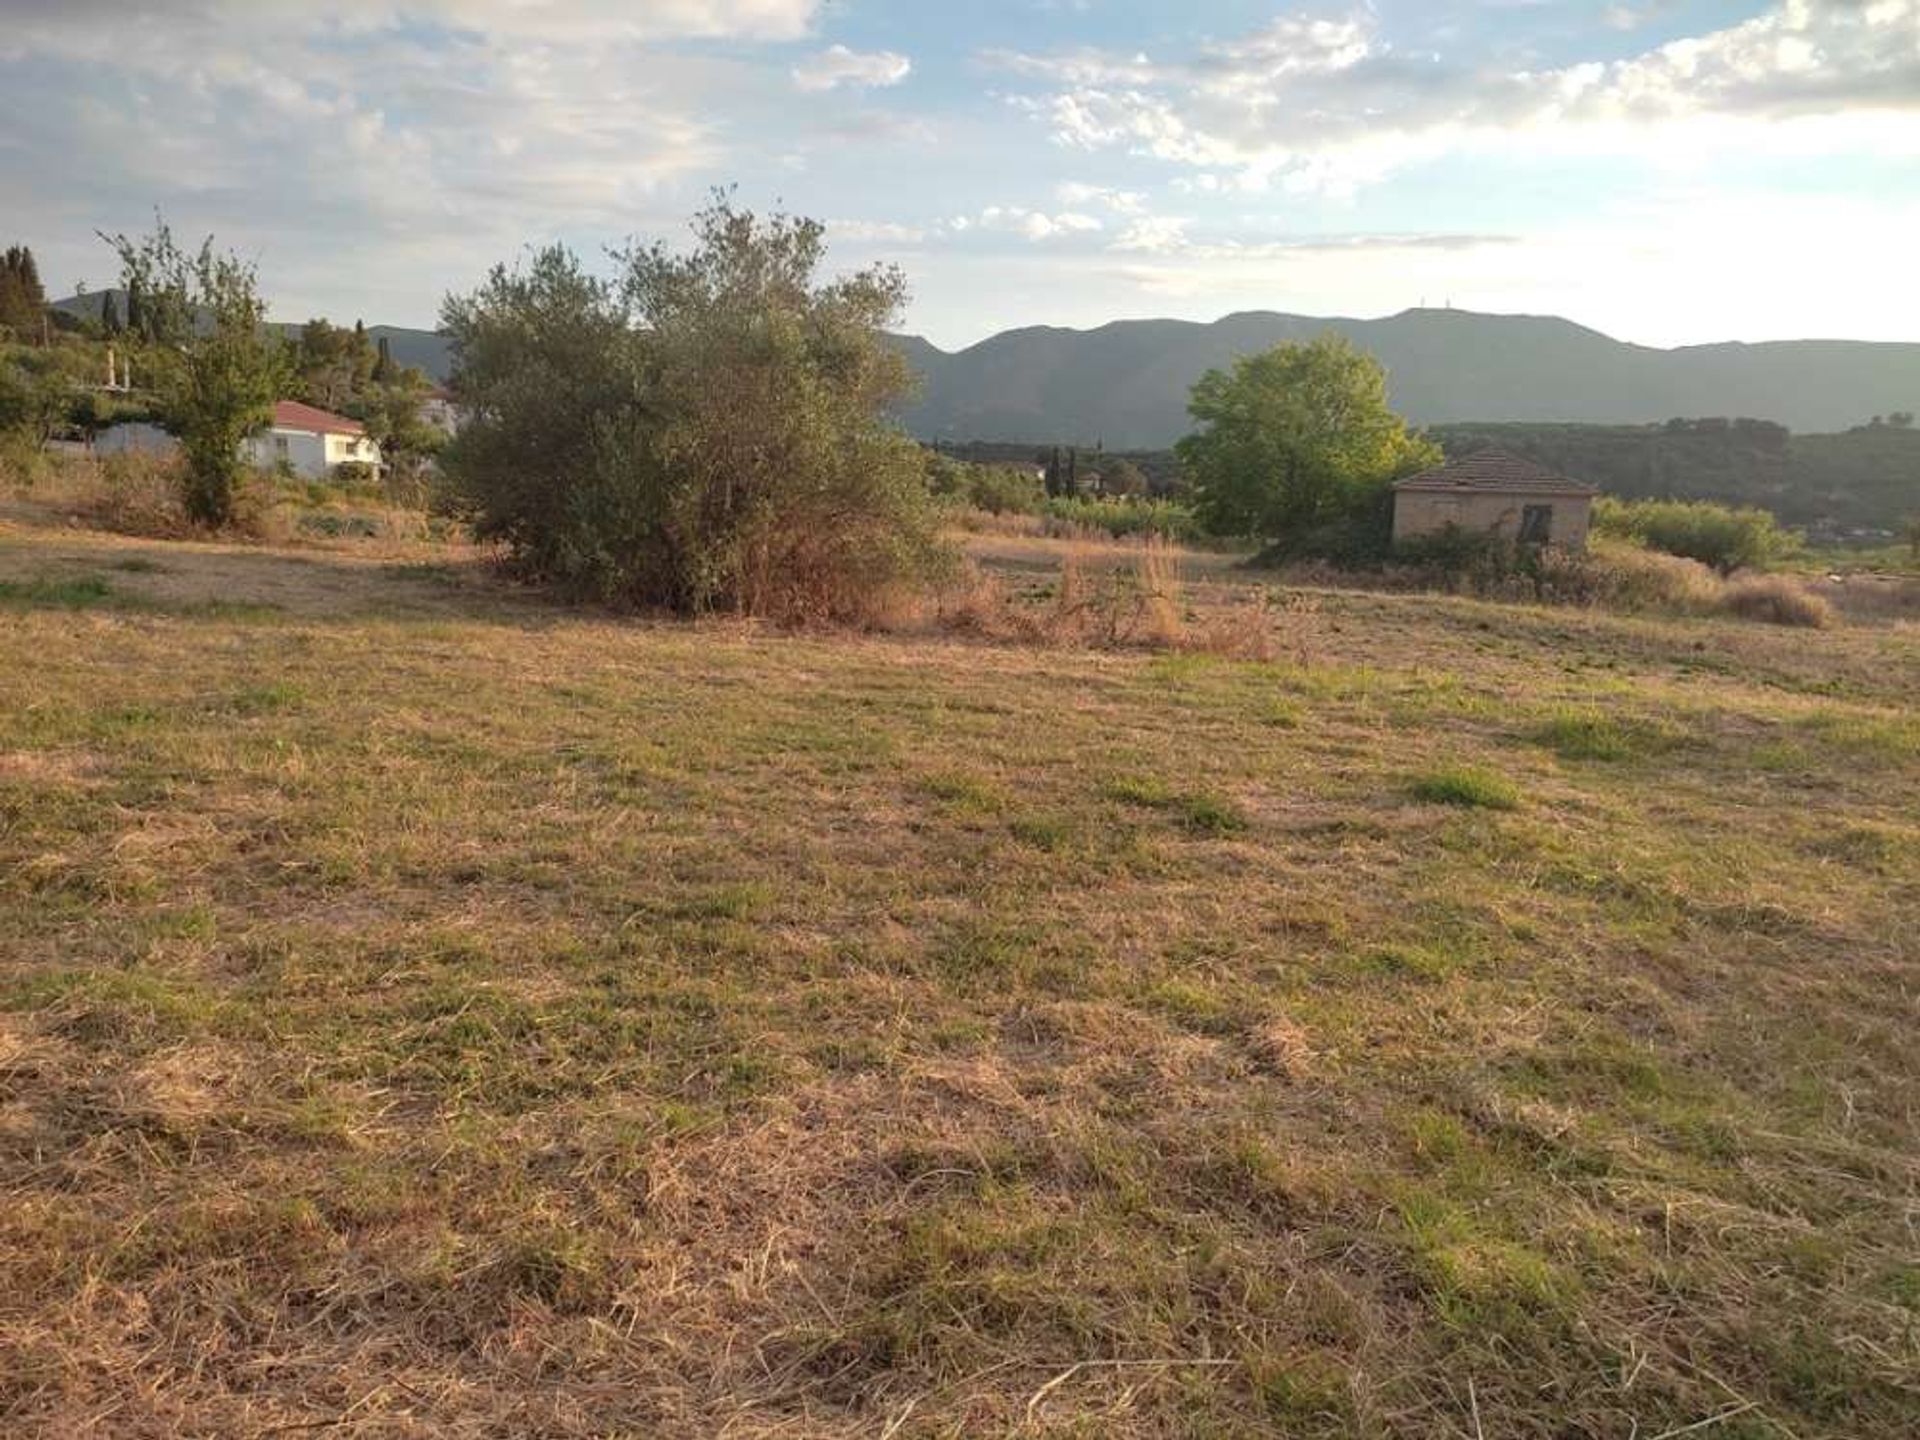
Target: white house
(311, 442)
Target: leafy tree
(706, 432)
(22, 301)
(37, 389)
(1122, 477)
(1296, 438)
(109, 315)
(390, 410)
(214, 368)
(332, 366)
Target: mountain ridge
(1124, 383)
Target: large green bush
(705, 432)
(1726, 537)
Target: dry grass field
(426, 1011)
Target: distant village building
(1493, 492)
(304, 439)
(438, 409)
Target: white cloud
(1154, 234)
(885, 232)
(1119, 202)
(1330, 105)
(33, 24)
(837, 65)
(1033, 224)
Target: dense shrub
(1726, 537)
(1003, 490)
(1122, 518)
(706, 432)
(996, 489)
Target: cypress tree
(110, 314)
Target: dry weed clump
(1139, 606)
(1626, 577)
(141, 495)
(1612, 576)
(1776, 600)
(1623, 577)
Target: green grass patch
(1593, 734)
(82, 592)
(1202, 812)
(1467, 787)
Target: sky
(1667, 171)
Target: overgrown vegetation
(704, 433)
(996, 489)
(1126, 518)
(1726, 537)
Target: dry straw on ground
(425, 1011)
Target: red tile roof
(292, 415)
(1496, 471)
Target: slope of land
(425, 1012)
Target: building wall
(135, 437)
(303, 451)
(309, 454)
(356, 448)
(1427, 512)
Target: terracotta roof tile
(1498, 472)
(292, 415)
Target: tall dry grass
(1141, 605)
(1612, 575)
(1776, 600)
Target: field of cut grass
(424, 1011)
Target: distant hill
(1570, 396)
(427, 349)
(1126, 384)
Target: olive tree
(1296, 438)
(213, 365)
(705, 430)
